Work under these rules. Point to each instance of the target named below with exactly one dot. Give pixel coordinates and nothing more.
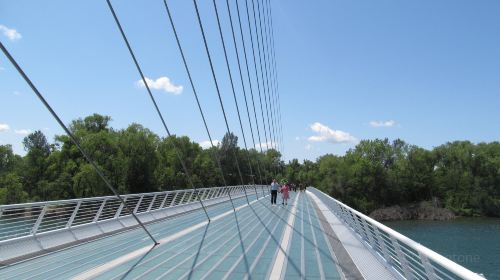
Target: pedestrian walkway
(235, 245)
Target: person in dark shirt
(274, 191)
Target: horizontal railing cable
(34, 218)
(407, 257)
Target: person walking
(274, 191)
(285, 189)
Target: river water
(471, 242)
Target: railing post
(39, 220)
(354, 223)
(172, 203)
(383, 246)
(182, 198)
(214, 193)
(191, 196)
(98, 214)
(164, 200)
(361, 230)
(138, 204)
(401, 258)
(429, 270)
(198, 194)
(151, 204)
(369, 234)
(120, 208)
(73, 215)
(209, 194)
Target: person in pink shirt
(285, 189)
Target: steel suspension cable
(275, 68)
(242, 83)
(265, 89)
(275, 71)
(266, 17)
(249, 79)
(256, 75)
(261, 71)
(267, 78)
(99, 172)
(216, 156)
(234, 94)
(160, 115)
(218, 91)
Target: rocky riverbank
(418, 211)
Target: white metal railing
(30, 219)
(409, 259)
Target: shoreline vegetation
(391, 180)
(424, 210)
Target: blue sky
(424, 71)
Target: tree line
(461, 176)
(133, 159)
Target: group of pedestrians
(284, 189)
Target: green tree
(138, 146)
(35, 163)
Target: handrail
(30, 219)
(410, 259)
(7, 206)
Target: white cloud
(162, 83)
(4, 127)
(10, 33)
(206, 144)
(17, 93)
(22, 131)
(326, 134)
(265, 145)
(297, 138)
(1, 68)
(389, 123)
(308, 147)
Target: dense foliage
(461, 176)
(133, 159)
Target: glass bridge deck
(257, 241)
